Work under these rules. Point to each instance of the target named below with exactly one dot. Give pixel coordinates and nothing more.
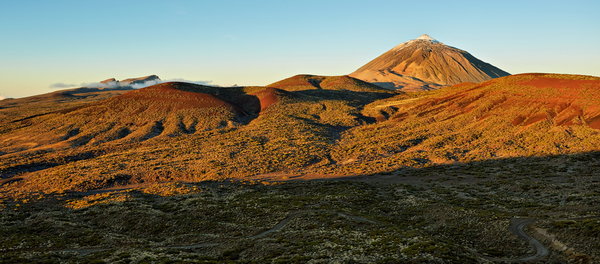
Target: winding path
(517, 227)
(280, 225)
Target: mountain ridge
(332, 128)
(425, 64)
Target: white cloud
(145, 84)
(62, 85)
(115, 85)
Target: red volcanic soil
(299, 82)
(349, 83)
(311, 82)
(175, 96)
(569, 101)
(522, 100)
(567, 85)
(266, 97)
(167, 109)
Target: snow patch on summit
(425, 63)
(417, 40)
(426, 37)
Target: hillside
(165, 109)
(12, 110)
(515, 116)
(61, 100)
(468, 172)
(179, 131)
(425, 64)
(311, 82)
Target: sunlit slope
(216, 133)
(241, 132)
(315, 82)
(424, 64)
(13, 110)
(167, 109)
(520, 115)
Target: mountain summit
(424, 64)
(427, 37)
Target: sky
(257, 42)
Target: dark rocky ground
(394, 218)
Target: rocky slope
(514, 116)
(305, 126)
(424, 64)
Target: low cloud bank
(62, 85)
(118, 84)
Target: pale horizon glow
(259, 42)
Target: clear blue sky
(257, 42)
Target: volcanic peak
(427, 37)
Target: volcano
(425, 64)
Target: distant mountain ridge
(309, 82)
(425, 64)
(131, 82)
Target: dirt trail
(517, 227)
(293, 215)
(280, 225)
